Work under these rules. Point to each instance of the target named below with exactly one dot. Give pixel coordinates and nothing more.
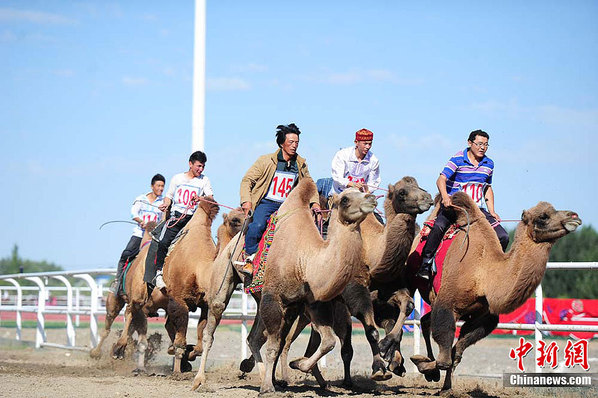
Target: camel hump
(304, 191)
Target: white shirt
(183, 188)
(346, 168)
(147, 211)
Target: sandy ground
(51, 372)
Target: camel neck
(516, 277)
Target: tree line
(581, 245)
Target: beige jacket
(255, 183)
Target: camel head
(545, 224)
(233, 221)
(353, 206)
(406, 196)
(210, 209)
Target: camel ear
(334, 201)
(525, 217)
(391, 188)
(225, 217)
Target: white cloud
(38, 17)
(250, 67)
(134, 81)
(227, 84)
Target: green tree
(13, 264)
(580, 246)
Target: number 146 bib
(281, 185)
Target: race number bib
(475, 190)
(356, 179)
(149, 216)
(281, 185)
(184, 194)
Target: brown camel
(231, 225)
(479, 281)
(312, 274)
(385, 251)
(137, 309)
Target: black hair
(158, 177)
(475, 133)
(198, 156)
(282, 131)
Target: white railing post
(417, 314)
(538, 332)
(40, 334)
(93, 316)
(70, 329)
(243, 326)
(19, 307)
(77, 305)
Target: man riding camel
(267, 184)
(145, 209)
(356, 166)
(183, 193)
(469, 171)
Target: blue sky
(97, 99)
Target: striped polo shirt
(462, 175)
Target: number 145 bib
(281, 185)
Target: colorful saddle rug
(259, 270)
(415, 259)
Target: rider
(356, 166)
(183, 193)
(267, 184)
(469, 171)
(144, 210)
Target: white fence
(89, 301)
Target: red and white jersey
(147, 211)
(346, 168)
(182, 189)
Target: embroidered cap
(364, 135)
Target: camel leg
(358, 300)
(214, 316)
(273, 319)
(443, 332)
(255, 340)
(312, 346)
(390, 345)
(140, 324)
(201, 325)
(427, 365)
(179, 316)
(471, 332)
(113, 306)
(300, 323)
(118, 349)
(322, 318)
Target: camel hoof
(433, 375)
(170, 350)
(139, 371)
(247, 365)
(95, 353)
(197, 382)
(443, 365)
(118, 351)
(347, 384)
(398, 369)
(267, 390)
(380, 375)
(299, 364)
(424, 364)
(190, 354)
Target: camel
(385, 251)
(140, 305)
(138, 308)
(479, 281)
(231, 225)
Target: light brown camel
(385, 251)
(305, 271)
(138, 307)
(231, 225)
(479, 281)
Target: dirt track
(50, 372)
